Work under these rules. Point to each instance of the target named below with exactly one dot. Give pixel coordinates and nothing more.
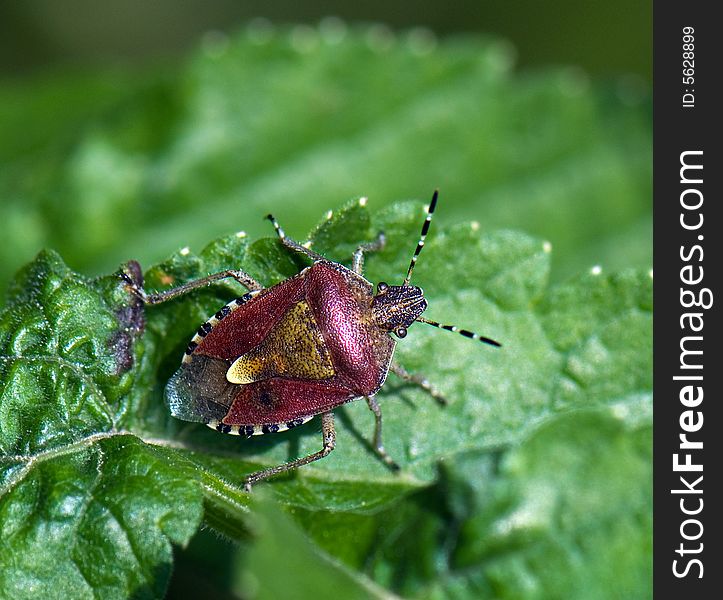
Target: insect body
(276, 357)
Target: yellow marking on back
(293, 348)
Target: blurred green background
(606, 38)
(115, 144)
(131, 129)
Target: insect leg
(357, 263)
(244, 279)
(418, 380)
(294, 245)
(378, 444)
(328, 434)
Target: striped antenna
(420, 243)
(464, 332)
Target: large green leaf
(87, 509)
(93, 462)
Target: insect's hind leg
(293, 244)
(156, 298)
(418, 380)
(357, 261)
(378, 443)
(328, 434)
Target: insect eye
(382, 287)
(400, 332)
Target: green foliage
(86, 508)
(541, 458)
(533, 483)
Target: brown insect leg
(357, 264)
(378, 444)
(328, 434)
(418, 380)
(244, 279)
(294, 245)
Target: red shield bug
(276, 357)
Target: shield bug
(276, 357)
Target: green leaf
(284, 563)
(83, 424)
(94, 519)
(567, 514)
(87, 509)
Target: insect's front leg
(293, 244)
(418, 380)
(357, 263)
(136, 286)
